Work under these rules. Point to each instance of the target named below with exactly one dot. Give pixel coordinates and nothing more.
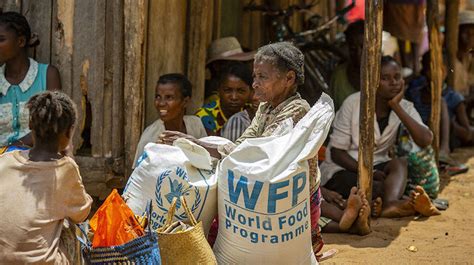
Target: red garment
(356, 13)
(316, 238)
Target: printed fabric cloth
(422, 168)
(14, 115)
(212, 116)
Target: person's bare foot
(421, 202)
(377, 207)
(351, 212)
(400, 208)
(361, 225)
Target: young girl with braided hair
(41, 187)
(21, 77)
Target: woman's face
(270, 84)
(391, 81)
(10, 44)
(170, 102)
(233, 93)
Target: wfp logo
(174, 183)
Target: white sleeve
(342, 126)
(197, 129)
(411, 110)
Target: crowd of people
(248, 96)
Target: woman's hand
(396, 100)
(168, 137)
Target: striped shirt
(236, 125)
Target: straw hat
(466, 17)
(227, 49)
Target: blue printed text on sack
(244, 219)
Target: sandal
(441, 204)
(451, 166)
(446, 159)
(455, 170)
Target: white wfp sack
(165, 172)
(264, 194)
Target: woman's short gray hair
(285, 56)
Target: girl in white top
(173, 93)
(339, 171)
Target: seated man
(339, 171)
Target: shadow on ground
(384, 231)
(460, 155)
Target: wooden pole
(452, 30)
(370, 76)
(433, 21)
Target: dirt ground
(444, 239)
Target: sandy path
(445, 239)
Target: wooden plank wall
(36, 12)
(135, 25)
(166, 52)
(114, 70)
(84, 40)
(197, 42)
(111, 54)
(11, 5)
(253, 34)
(178, 43)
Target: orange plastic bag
(114, 223)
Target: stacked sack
(166, 172)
